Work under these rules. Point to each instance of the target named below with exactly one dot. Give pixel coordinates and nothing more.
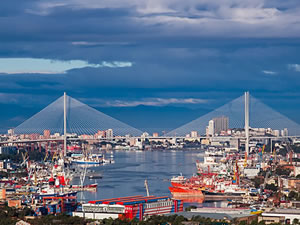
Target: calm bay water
(127, 176)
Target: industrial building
(139, 207)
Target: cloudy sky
(150, 63)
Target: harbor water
(126, 177)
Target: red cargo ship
(186, 192)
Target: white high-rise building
(211, 128)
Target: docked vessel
(186, 192)
(219, 183)
(93, 159)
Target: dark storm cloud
(179, 50)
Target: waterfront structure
(287, 216)
(219, 179)
(139, 207)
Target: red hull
(185, 192)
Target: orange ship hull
(185, 192)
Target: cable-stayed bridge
(260, 116)
(83, 119)
(80, 119)
(68, 115)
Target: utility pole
(247, 122)
(65, 124)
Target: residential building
(220, 124)
(194, 134)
